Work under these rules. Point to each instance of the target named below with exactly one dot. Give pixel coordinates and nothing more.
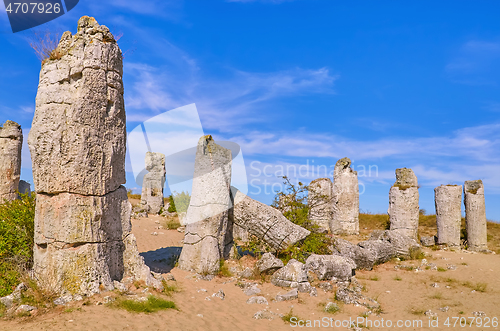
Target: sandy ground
(403, 295)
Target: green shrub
(152, 305)
(16, 240)
(181, 202)
(294, 205)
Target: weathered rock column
(475, 216)
(320, 203)
(448, 199)
(152, 183)
(403, 203)
(77, 141)
(11, 141)
(208, 237)
(345, 198)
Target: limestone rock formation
(331, 267)
(448, 200)
(404, 246)
(152, 183)
(345, 198)
(265, 222)
(403, 203)
(80, 113)
(268, 263)
(11, 141)
(24, 187)
(475, 216)
(77, 142)
(208, 235)
(364, 258)
(294, 274)
(320, 203)
(383, 249)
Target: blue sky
(388, 84)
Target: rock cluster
(448, 200)
(345, 198)
(403, 203)
(77, 142)
(152, 183)
(320, 204)
(475, 216)
(11, 141)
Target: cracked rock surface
(77, 142)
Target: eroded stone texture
(331, 267)
(11, 141)
(208, 235)
(153, 181)
(80, 114)
(320, 203)
(404, 246)
(77, 142)
(265, 222)
(403, 203)
(475, 215)
(345, 198)
(364, 258)
(448, 200)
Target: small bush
(397, 278)
(168, 288)
(153, 304)
(288, 317)
(45, 43)
(172, 224)
(224, 270)
(181, 203)
(16, 240)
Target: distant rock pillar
(320, 203)
(345, 198)
(83, 239)
(208, 235)
(475, 216)
(153, 181)
(448, 199)
(11, 141)
(403, 203)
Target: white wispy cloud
(223, 103)
(477, 62)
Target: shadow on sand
(162, 260)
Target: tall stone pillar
(345, 198)
(320, 203)
(448, 199)
(403, 203)
(208, 235)
(11, 141)
(153, 181)
(77, 141)
(475, 216)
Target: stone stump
(403, 203)
(448, 199)
(77, 142)
(475, 216)
(11, 141)
(345, 198)
(320, 203)
(208, 236)
(153, 181)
